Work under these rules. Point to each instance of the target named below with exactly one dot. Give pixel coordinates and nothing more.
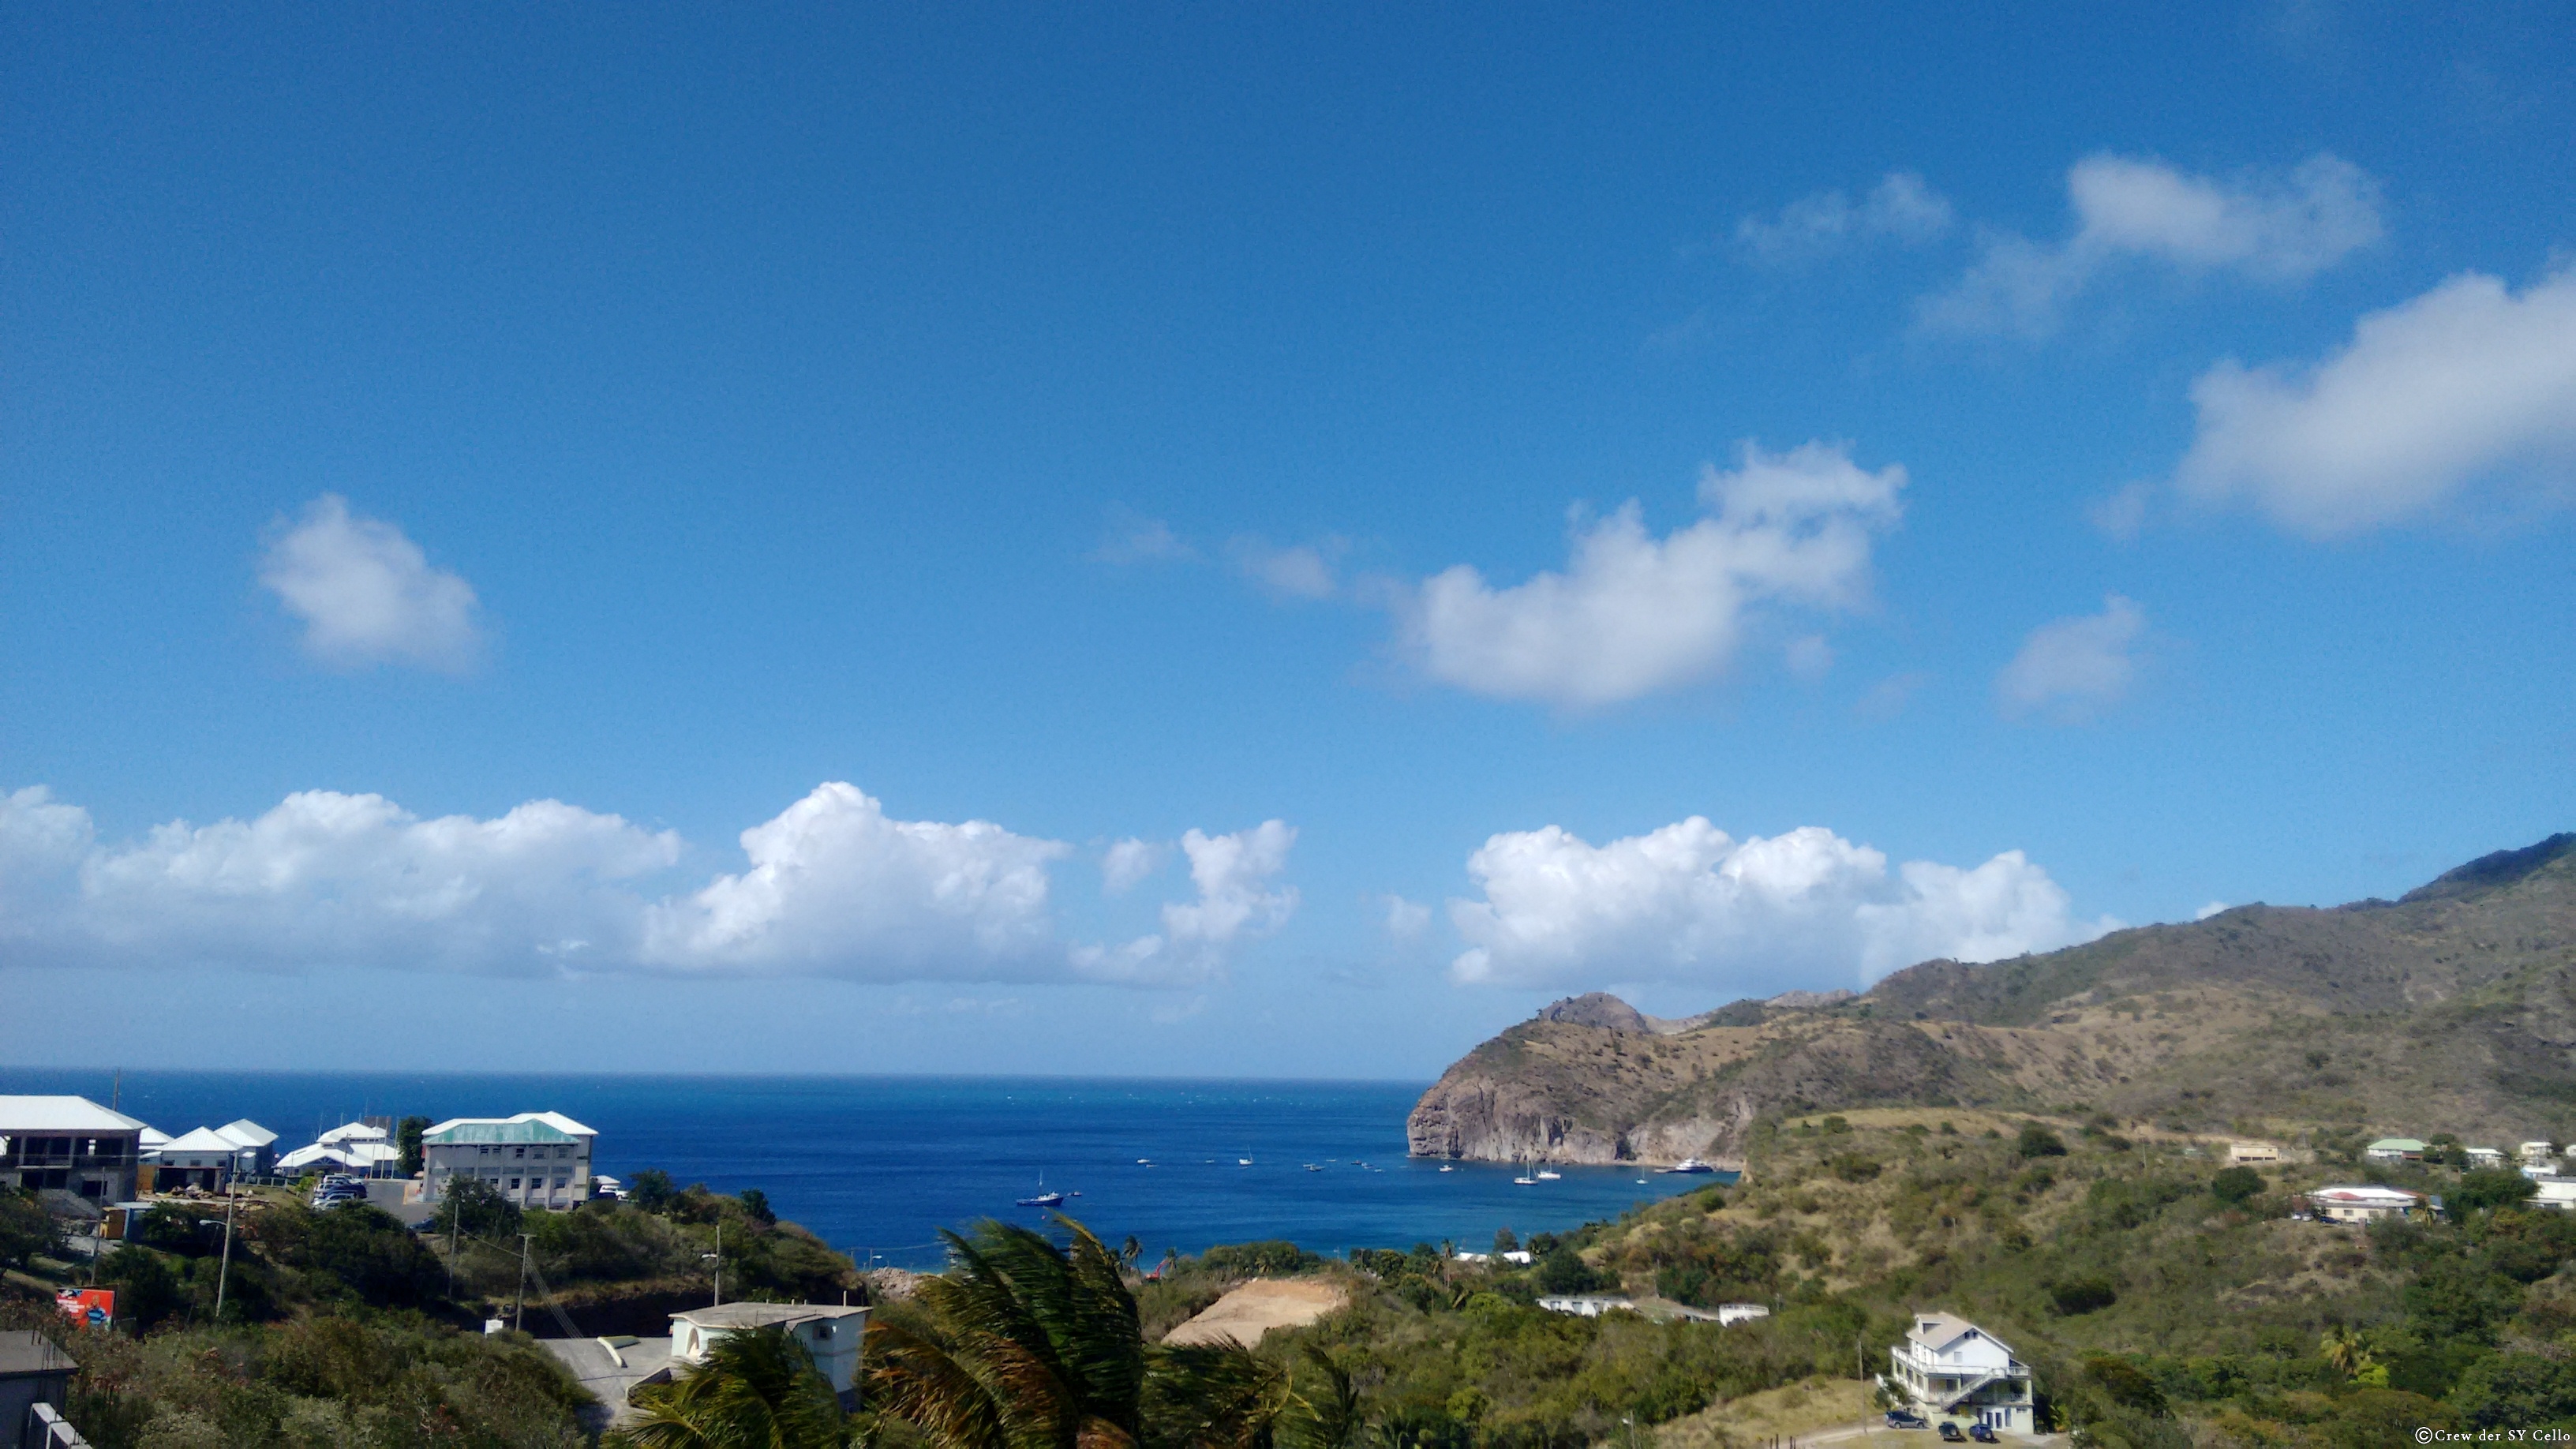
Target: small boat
(1445, 1167)
(1243, 1162)
(1044, 1199)
(1524, 1182)
(1547, 1176)
(1310, 1167)
(1690, 1164)
(1144, 1162)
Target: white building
(2363, 1204)
(360, 1149)
(1951, 1369)
(535, 1159)
(68, 1143)
(1585, 1305)
(2483, 1156)
(831, 1335)
(209, 1157)
(1741, 1312)
(2253, 1152)
(2539, 1151)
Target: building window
(514, 1184)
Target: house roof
(763, 1315)
(246, 1132)
(353, 1132)
(61, 1114)
(2397, 1144)
(25, 1351)
(525, 1127)
(152, 1137)
(1937, 1331)
(2365, 1196)
(202, 1139)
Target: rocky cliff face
(2451, 1010)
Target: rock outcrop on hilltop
(2452, 1009)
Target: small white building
(2364, 1204)
(360, 1149)
(199, 1158)
(2556, 1192)
(535, 1159)
(1741, 1312)
(830, 1334)
(2483, 1157)
(2252, 1152)
(1949, 1368)
(1585, 1305)
(2539, 1152)
(257, 1154)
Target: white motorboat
(1524, 1182)
(1690, 1164)
(1545, 1176)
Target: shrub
(1852, 1167)
(2038, 1141)
(2235, 1184)
(1249, 1260)
(2082, 1295)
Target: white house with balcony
(535, 1159)
(1949, 1368)
(830, 1334)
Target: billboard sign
(88, 1307)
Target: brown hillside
(2453, 1009)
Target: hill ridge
(2453, 1008)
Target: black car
(1983, 1433)
(1906, 1419)
(1950, 1433)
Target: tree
(146, 1290)
(2038, 1141)
(755, 1206)
(1504, 1242)
(475, 1207)
(652, 1190)
(2487, 1189)
(2234, 1185)
(1028, 1345)
(754, 1389)
(407, 1135)
(26, 1229)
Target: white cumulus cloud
(367, 594)
(837, 886)
(1901, 206)
(833, 886)
(2466, 383)
(2070, 670)
(1632, 613)
(2269, 227)
(1126, 863)
(1234, 875)
(1690, 904)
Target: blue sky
(2083, 469)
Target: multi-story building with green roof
(536, 1159)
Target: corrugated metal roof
(247, 1132)
(61, 1114)
(203, 1139)
(525, 1127)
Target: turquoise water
(877, 1165)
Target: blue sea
(877, 1165)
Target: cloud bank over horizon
(1688, 904)
(834, 887)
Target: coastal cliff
(2453, 1009)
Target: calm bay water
(876, 1165)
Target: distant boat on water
(1546, 1176)
(1044, 1199)
(1690, 1164)
(1524, 1182)
(1445, 1167)
(1310, 1167)
(1243, 1162)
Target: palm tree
(755, 1390)
(1032, 1346)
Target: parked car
(1950, 1433)
(1983, 1433)
(1906, 1419)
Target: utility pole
(455, 1210)
(223, 1275)
(719, 1303)
(521, 1306)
